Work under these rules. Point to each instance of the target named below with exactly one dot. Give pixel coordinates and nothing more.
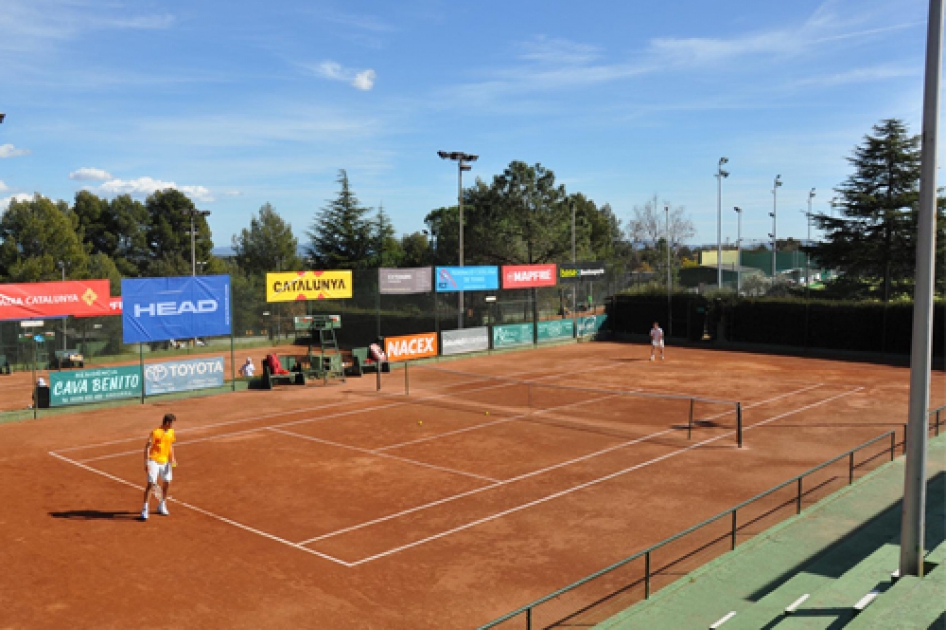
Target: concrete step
(911, 604)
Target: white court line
(207, 513)
(537, 472)
(286, 413)
(385, 455)
(590, 483)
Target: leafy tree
(37, 235)
(169, 238)
(385, 248)
(873, 241)
(116, 229)
(340, 237)
(417, 250)
(443, 224)
(267, 245)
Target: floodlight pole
(738, 249)
(669, 277)
(774, 215)
(914, 492)
(811, 195)
(574, 284)
(720, 175)
(462, 160)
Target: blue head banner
(160, 309)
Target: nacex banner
(89, 298)
(526, 276)
(160, 309)
(411, 347)
(290, 286)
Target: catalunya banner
(88, 298)
(581, 272)
(289, 286)
(453, 279)
(114, 307)
(159, 309)
(404, 281)
(527, 276)
(411, 347)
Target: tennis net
(611, 411)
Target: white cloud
(144, 186)
(8, 151)
(87, 174)
(363, 80)
(3, 186)
(5, 201)
(233, 193)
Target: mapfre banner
(411, 347)
(88, 298)
(525, 276)
(289, 286)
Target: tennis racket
(158, 492)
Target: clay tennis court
(342, 507)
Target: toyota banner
(182, 376)
(160, 309)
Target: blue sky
(239, 103)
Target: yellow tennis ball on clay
(487, 413)
(420, 422)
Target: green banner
(512, 335)
(591, 325)
(91, 386)
(556, 329)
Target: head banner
(89, 298)
(289, 286)
(404, 281)
(526, 276)
(160, 309)
(453, 279)
(581, 272)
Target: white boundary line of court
(589, 483)
(533, 473)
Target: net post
(141, 367)
(798, 500)
(690, 422)
(850, 468)
(528, 618)
(407, 378)
(732, 544)
(647, 575)
(379, 365)
(739, 423)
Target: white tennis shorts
(657, 344)
(156, 470)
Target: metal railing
(528, 612)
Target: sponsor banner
(54, 299)
(526, 276)
(411, 347)
(464, 340)
(404, 281)
(290, 286)
(160, 309)
(452, 279)
(591, 325)
(581, 272)
(182, 376)
(91, 386)
(512, 335)
(556, 329)
(114, 307)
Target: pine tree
(340, 237)
(872, 244)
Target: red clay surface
(338, 507)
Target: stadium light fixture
(2, 116)
(462, 160)
(774, 215)
(194, 212)
(720, 176)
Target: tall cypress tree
(340, 237)
(872, 244)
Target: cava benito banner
(88, 298)
(581, 272)
(91, 386)
(159, 309)
(526, 276)
(289, 286)
(404, 281)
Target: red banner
(526, 276)
(114, 308)
(80, 298)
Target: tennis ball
(420, 422)
(487, 413)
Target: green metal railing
(527, 613)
